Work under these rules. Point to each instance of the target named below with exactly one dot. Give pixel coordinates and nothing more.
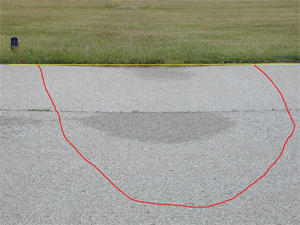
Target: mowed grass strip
(188, 31)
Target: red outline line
(169, 204)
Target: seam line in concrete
(137, 112)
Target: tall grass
(189, 31)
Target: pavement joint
(136, 112)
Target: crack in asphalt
(136, 112)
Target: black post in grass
(14, 44)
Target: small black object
(14, 44)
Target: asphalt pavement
(183, 135)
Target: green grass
(187, 31)
(39, 110)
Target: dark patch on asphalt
(159, 127)
(14, 125)
(163, 74)
(14, 122)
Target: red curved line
(169, 204)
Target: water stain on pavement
(159, 127)
(14, 122)
(14, 125)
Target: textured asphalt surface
(188, 135)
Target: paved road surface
(189, 135)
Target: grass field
(187, 31)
